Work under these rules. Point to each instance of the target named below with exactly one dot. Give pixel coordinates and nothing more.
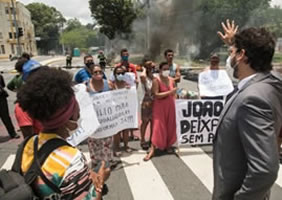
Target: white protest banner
(214, 83)
(197, 120)
(116, 111)
(88, 122)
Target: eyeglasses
(98, 72)
(120, 73)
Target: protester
(164, 117)
(68, 60)
(17, 81)
(28, 126)
(130, 68)
(100, 149)
(119, 83)
(84, 74)
(51, 101)
(147, 102)
(246, 160)
(4, 110)
(102, 60)
(214, 83)
(125, 62)
(174, 69)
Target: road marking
(200, 164)
(9, 162)
(144, 180)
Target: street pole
(19, 49)
(148, 25)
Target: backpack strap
(38, 160)
(19, 155)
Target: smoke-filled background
(190, 26)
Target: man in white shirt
(246, 159)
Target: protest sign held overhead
(214, 83)
(88, 121)
(197, 120)
(116, 111)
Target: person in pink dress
(164, 119)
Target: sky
(80, 8)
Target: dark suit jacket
(246, 159)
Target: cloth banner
(197, 120)
(88, 121)
(116, 110)
(214, 83)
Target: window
(1, 35)
(3, 49)
(10, 35)
(13, 49)
(15, 35)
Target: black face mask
(89, 64)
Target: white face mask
(165, 73)
(120, 77)
(228, 63)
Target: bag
(15, 185)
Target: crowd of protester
(43, 114)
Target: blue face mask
(124, 58)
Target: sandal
(128, 150)
(145, 145)
(148, 157)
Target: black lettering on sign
(194, 126)
(184, 126)
(192, 139)
(218, 107)
(205, 125)
(210, 137)
(203, 109)
(187, 113)
(214, 124)
(208, 109)
(197, 108)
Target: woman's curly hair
(45, 92)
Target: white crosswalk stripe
(145, 182)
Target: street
(184, 175)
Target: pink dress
(164, 119)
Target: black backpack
(16, 186)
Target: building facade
(9, 44)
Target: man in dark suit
(246, 160)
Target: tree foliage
(47, 22)
(76, 35)
(114, 16)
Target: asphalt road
(183, 176)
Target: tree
(73, 24)
(114, 16)
(47, 22)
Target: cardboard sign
(214, 83)
(116, 111)
(197, 120)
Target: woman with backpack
(51, 101)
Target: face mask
(165, 73)
(89, 64)
(124, 58)
(234, 65)
(228, 63)
(120, 77)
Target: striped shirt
(66, 167)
